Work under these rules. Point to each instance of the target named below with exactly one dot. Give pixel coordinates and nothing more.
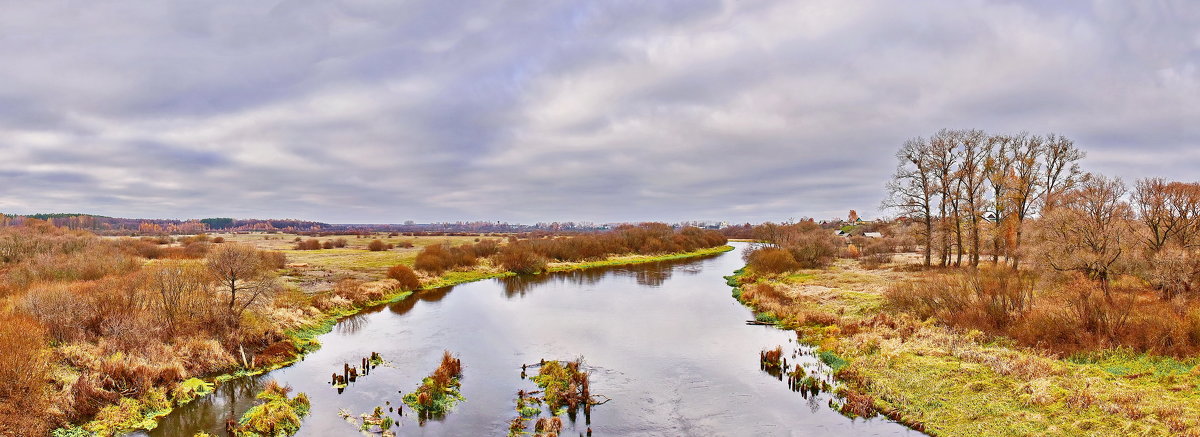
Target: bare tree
(913, 189)
(1150, 199)
(999, 171)
(1184, 202)
(1026, 183)
(180, 290)
(943, 160)
(1168, 212)
(242, 275)
(1060, 170)
(1089, 232)
(971, 179)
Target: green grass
(832, 360)
(766, 317)
(1127, 363)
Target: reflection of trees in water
(652, 274)
(521, 284)
(356, 322)
(406, 305)
(231, 399)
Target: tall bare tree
(1026, 184)
(999, 171)
(943, 147)
(913, 189)
(971, 178)
(1060, 168)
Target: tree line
(972, 193)
(968, 189)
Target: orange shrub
(771, 260)
(520, 258)
(24, 372)
(405, 275)
(273, 259)
(376, 246)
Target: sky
(369, 111)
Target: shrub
(195, 250)
(437, 258)
(376, 246)
(875, 260)
(771, 260)
(433, 259)
(521, 259)
(59, 308)
(405, 276)
(24, 370)
(309, 244)
(218, 240)
(273, 259)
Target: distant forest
(103, 225)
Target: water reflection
(428, 296)
(226, 403)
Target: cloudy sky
(384, 111)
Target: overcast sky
(524, 111)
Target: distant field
(323, 267)
(354, 256)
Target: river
(665, 341)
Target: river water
(665, 341)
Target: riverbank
(948, 382)
(301, 338)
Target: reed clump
(275, 415)
(438, 392)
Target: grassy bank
(635, 259)
(951, 382)
(144, 412)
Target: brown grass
(1063, 317)
(24, 367)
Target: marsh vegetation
(99, 332)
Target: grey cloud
(374, 111)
